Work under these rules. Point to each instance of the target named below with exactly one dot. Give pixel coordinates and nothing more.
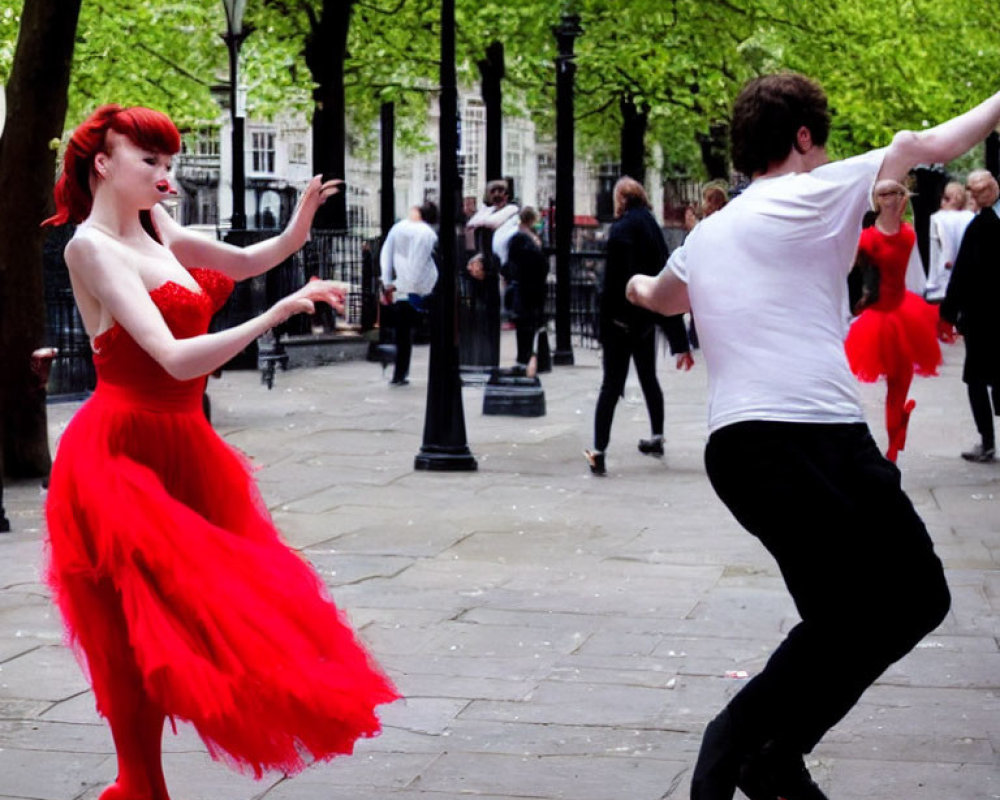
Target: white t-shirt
(407, 258)
(947, 227)
(767, 280)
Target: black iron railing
(345, 256)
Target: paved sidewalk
(556, 635)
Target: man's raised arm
(943, 142)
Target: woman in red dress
(177, 592)
(897, 334)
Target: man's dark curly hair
(767, 116)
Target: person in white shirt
(492, 228)
(408, 276)
(947, 226)
(498, 216)
(789, 451)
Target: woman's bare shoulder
(85, 248)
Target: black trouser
(621, 346)
(526, 332)
(983, 411)
(854, 555)
(407, 318)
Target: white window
(263, 151)
(473, 127)
(298, 153)
(203, 142)
(431, 170)
(514, 155)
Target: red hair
(151, 130)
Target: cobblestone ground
(556, 635)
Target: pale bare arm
(486, 217)
(193, 250)
(122, 294)
(941, 143)
(664, 293)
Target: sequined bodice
(128, 372)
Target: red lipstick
(164, 187)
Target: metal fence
(345, 256)
(72, 372)
(586, 269)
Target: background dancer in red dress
(174, 585)
(897, 333)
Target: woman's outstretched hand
(304, 300)
(316, 193)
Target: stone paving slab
(556, 635)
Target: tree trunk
(326, 49)
(635, 120)
(491, 69)
(36, 113)
(714, 149)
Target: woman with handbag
(896, 333)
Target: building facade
(278, 165)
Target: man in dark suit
(972, 304)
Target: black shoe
(651, 447)
(399, 382)
(596, 461)
(980, 454)
(718, 765)
(774, 773)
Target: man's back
(407, 257)
(767, 280)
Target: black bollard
(511, 392)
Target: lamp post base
(439, 458)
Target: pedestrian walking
(628, 334)
(526, 273)
(408, 277)
(789, 452)
(175, 588)
(971, 304)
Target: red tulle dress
(157, 534)
(899, 332)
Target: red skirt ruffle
(882, 342)
(231, 630)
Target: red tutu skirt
(230, 629)
(883, 342)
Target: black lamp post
(444, 447)
(566, 33)
(235, 33)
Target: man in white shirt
(789, 451)
(497, 215)
(947, 226)
(408, 276)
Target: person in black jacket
(970, 302)
(526, 273)
(628, 333)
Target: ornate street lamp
(445, 448)
(235, 33)
(566, 33)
